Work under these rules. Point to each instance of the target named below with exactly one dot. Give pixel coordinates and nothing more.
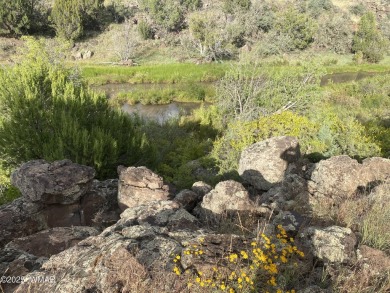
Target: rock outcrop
(45, 234)
(61, 182)
(340, 178)
(144, 238)
(264, 164)
(139, 185)
(58, 194)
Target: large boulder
(264, 164)
(342, 177)
(55, 199)
(139, 185)
(60, 182)
(339, 179)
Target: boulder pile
(130, 235)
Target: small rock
(228, 196)
(87, 54)
(333, 244)
(201, 188)
(187, 199)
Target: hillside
(115, 35)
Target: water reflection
(161, 113)
(347, 77)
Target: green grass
(189, 72)
(183, 92)
(161, 73)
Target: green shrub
(379, 132)
(144, 30)
(358, 57)
(344, 135)
(16, 16)
(238, 135)
(369, 40)
(168, 14)
(325, 135)
(231, 6)
(7, 191)
(358, 9)
(318, 7)
(67, 19)
(176, 143)
(191, 5)
(209, 36)
(334, 33)
(300, 27)
(48, 113)
(71, 17)
(260, 18)
(274, 43)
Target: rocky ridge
(82, 235)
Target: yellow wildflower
(244, 254)
(176, 270)
(272, 281)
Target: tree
(15, 16)
(47, 112)
(238, 92)
(208, 36)
(334, 33)
(71, 17)
(248, 92)
(299, 27)
(369, 40)
(169, 14)
(125, 41)
(66, 16)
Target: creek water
(347, 77)
(162, 113)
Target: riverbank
(172, 73)
(159, 73)
(167, 83)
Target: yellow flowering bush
(255, 269)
